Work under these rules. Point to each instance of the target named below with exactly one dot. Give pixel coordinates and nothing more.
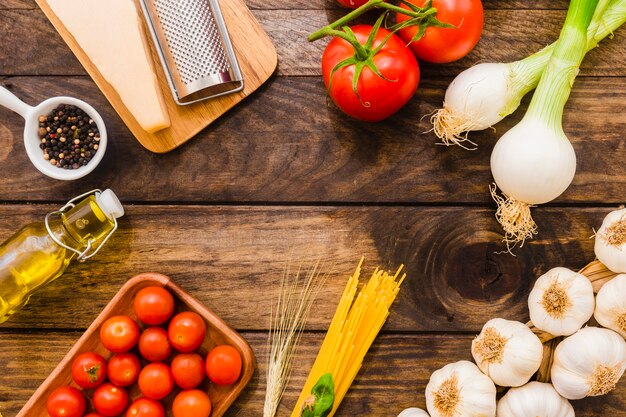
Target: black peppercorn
(56, 129)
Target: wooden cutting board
(257, 60)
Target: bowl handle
(10, 101)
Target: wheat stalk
(294, 302)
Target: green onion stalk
(534, 162)
(484, 94)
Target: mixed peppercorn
(69, 137)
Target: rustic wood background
(286, 176)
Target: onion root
(515, 218)
(453, 129)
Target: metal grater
(194, 48)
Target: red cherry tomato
(66, 402)
(145, 407)
(379, 97)
(153, 344)
(442, 45)
(110, 400)
(186, 331)
(156, 381)
(94, 414)
(188, 370)
(191, 403)
(223, 365)
(154, 305)
(89, 370)
(123, 369)
(119, 334)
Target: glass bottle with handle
(40, 252)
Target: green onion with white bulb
(484, 94)
(534, 162)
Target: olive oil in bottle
(40, 252)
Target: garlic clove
(611, 305)
(534, 399)
(460, 390)
(508, 352)
(610, 244)
(588, 363)
(413, 412)
(561, 302)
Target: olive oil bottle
(40, 252)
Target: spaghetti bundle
(351, 333)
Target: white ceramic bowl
(32, 140)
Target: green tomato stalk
(484, 94)
(422, 16)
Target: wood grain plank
(228, 256)
(287, 143)
(508, 35)
(17, 4)
(393, 377)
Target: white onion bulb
(474, 101)
(533, 163)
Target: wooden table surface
(285, 176)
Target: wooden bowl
(218, 333)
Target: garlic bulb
(611, 305)
(610, 246)
(588, 363)
(459, 389)
(508, 352)
(413, 412)
(535, 399)
(561, 302)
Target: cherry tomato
(379, 97)
(441, 45)
(156, 381)
(186, 331)
(191, 403)
(119, 334)
(145, 407)
(94, 414)
(66, 402)
(188, 370)
(123, 369)
(154, 305)
(223, 365)
(153, 344)
(89, 370)
(110, 400)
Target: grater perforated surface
(193, 38)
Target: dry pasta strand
(356, 323)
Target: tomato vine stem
(417, 14)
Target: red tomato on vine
(444, 44)
(371, 76)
